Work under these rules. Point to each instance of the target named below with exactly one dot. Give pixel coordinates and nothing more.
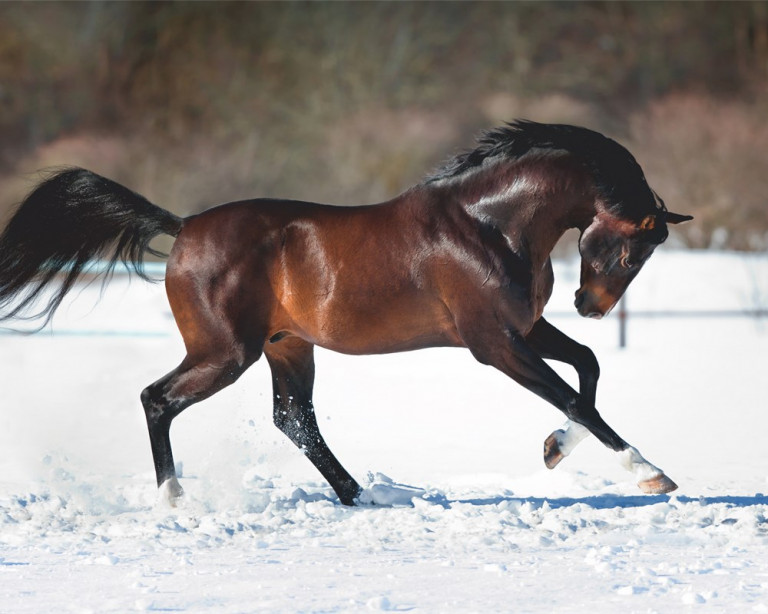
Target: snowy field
(491, 530)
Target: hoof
(657, 485)
(352, 499)
(552, 453)
(170, 492)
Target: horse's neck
(532, 204)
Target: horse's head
(613, 250)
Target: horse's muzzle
(585, 305)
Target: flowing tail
(70, 219)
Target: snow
(468, 518)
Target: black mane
(616, 173)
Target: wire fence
(90, 278)
(623, 314)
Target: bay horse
(461, 259)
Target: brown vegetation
(709, 157)
(198, 103)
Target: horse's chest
(526, 301)
(541, 288)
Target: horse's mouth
(594, 315)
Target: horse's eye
(625, 263)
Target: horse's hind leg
(192, 381)
(293, 375)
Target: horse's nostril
(579, 300)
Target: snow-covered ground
(259, 531)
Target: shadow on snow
(606, 501)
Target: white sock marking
(572, 433)
(569, 436)
(633, 461)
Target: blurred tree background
(193, 104)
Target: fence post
(623, 322)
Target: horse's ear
(648, 223)
(676, 218)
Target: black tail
(70, 219)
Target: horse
(461, 259)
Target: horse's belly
(360, 346)
(391, 324)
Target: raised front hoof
(657, 485)
(552, 453)
(170, 492)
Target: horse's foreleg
(293, 374)
(562, 442)
(515, 357)
(190, 382)
(549, 342)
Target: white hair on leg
(651, 479)
(570, 435)
(562, 442)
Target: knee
(289, 419)
(147, 400)
(588, 364)
(157, 407)
(579, 411)
(295, 419)
(152, 409)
